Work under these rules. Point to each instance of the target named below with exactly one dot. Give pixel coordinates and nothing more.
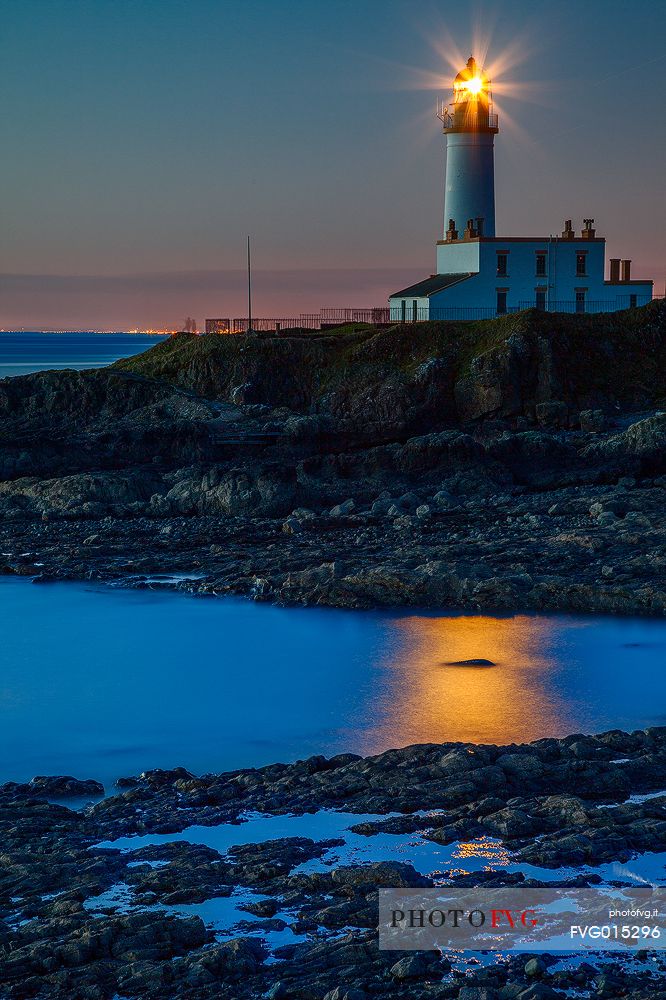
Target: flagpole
(249, 289)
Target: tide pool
(101, 682)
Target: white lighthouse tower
(479, 275)
(470, 126)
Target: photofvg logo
(515, 919)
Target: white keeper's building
(481, 275)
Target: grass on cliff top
(170, 356)
(633, 338)
(168, 359)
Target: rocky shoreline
(517, 464)
(508, 465)
(566, 550)
(81, 917)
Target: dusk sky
(143, 139)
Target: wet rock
(470, 663)
(552, 414)
(411, 967)
(521, 767)
(535, 967)
(477, 993)
(262, 908)
(379, 873)
(540, 991)
(278, 991)
(640, 447)
(227, 962)
(609, 985)
(592, 421)
(511, 823)
(57, 786)
(343, 509)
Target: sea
(104, 681)
(22, 353)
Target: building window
(541, 265)
(633, 301)
(580, 301)
(541, 299)
(403, 306)
(414, 311)
(501, 264)
(580, 265)
(501, 303)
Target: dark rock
(592, 421)
(379, 873)
(413, 966)
(58, 786)
(540, 991)
(535, 967)
(477, 993)
(511, 823)
(470, 663)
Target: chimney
(567, 232)
(615, 269)
(479, 226)
(470, 231)
(588, 232)
(626, 270)
(452, 232)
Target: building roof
(523, 239)
(430, 286)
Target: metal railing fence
(330, 318)
(587, 305)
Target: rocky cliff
(516, 462)
(409, 376)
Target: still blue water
(23, 353)
(98, 682)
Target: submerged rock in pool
(469, 663)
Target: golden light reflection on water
(483, 847)
(427, 700)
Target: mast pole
(249, 288)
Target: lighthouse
(470, 126)
(479, 275)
